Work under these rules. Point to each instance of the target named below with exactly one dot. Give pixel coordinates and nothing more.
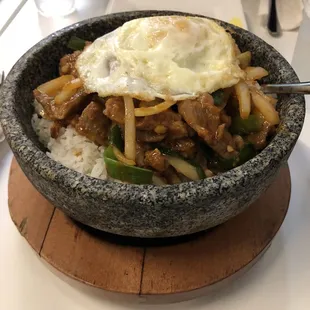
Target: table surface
(280, 280)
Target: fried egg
(167, 57)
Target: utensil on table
(272, 24)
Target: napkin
(289, 13)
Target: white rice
(71, 149)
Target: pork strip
(171, 121)
(54, 111)
(205, 118)
(155, 160)
(93, 124)
(67, 62)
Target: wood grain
(92, 260)
(30, 211)
(89, 256)
(221, 252)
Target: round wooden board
(184, 269)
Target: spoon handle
(295, 88)
(273, 19)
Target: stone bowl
(145, 211)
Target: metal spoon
(293, 88)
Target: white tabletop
(280, 280)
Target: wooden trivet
(182, 269)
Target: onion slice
(265, 107)
(244, 59)
(120, 156)
(255, 73)
(158, 180)
(130, 129)
(52, 87)
(65, 95)
(244, 98)
(183, 167)
(76, 83)
(161, 107)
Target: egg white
(168, 57)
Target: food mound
(160, 100)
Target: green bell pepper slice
(125, 173)
(241, 126)
(223, 164)
(167, 151)
(115, 137)
(245, 154)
